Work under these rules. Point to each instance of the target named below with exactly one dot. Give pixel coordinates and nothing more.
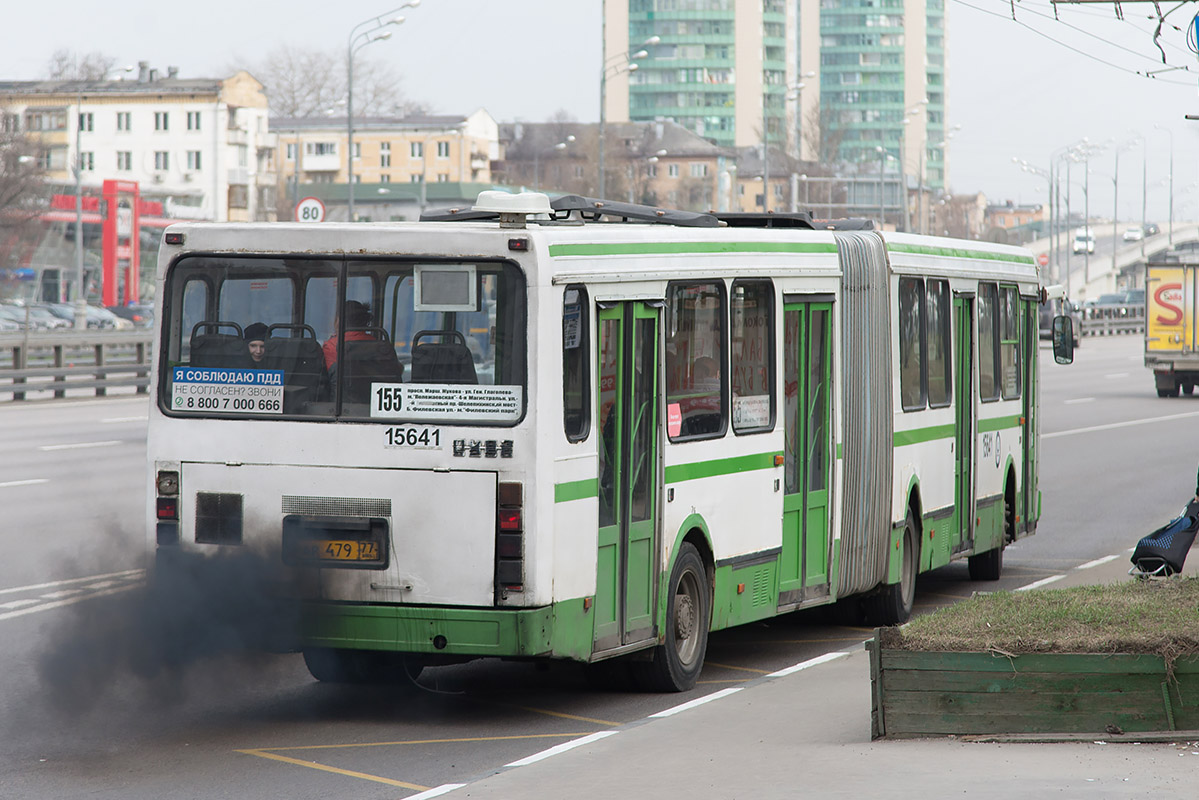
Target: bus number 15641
(416, 438)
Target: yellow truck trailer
(1171, 347)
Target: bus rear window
(326, 338)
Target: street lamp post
(1170, 233)
(364, 33)
(623, 62)
(795, 92)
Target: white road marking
(436, 791)
(78, 445)
(61, 593)
(670, 712)
(129, 574)
(63, 603)
(562, 748)
(1098, 561)
(29, 482)
(811, 662)
(1040, 583)
(1078, 400)
(111, 420)
(19, 603)
(1114, 425)
(1116, 375)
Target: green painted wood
(942, 693)
(1033, 662)
(1021, 682)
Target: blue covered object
(1164, 551)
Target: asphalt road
(87, 710)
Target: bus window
(298, 300)
(940, 391)
(695, 358)
(751, 356)
(988, 341)
(576, 390)
(912, 387)
(1009, 342)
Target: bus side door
(627, 563)
(964, 414)
(807, 370)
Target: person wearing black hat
(255, 336)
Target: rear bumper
(439, 631)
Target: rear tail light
(509, 538)
(166, 507)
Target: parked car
(96, 317)
(9, 314)
(45, 319)
(1134, 235)
(142, 316)
(1057, 307)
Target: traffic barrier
(51, 363)
(1113, 320)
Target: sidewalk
(807, 734)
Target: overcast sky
(1014, 91)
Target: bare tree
(70, 65)
(306, 82)
(22, 189)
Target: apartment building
(201, 146)
(411, 150)
(833, 80)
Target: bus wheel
(988, 566)
(677, 662)
(330, 665)
(892, 604)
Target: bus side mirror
(1063, 340)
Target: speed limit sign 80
(310, 209)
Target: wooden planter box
(944, 693)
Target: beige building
(200, 145)
(653, 163)
(414, 149)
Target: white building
(201, 146)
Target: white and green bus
(587, 432)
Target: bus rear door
(628, 475)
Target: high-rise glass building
(843, 77)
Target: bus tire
(892, 604)
(988, 566)
(333, 665)
(676, 663)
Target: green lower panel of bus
(563, 630)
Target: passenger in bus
(255, 336)
(357, 315)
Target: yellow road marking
(418, 741)
(324, 768)
(800, 641)
(560, 714)
(731, 666)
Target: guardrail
(55, 362)
(1113, 320)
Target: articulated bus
(585, 430)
